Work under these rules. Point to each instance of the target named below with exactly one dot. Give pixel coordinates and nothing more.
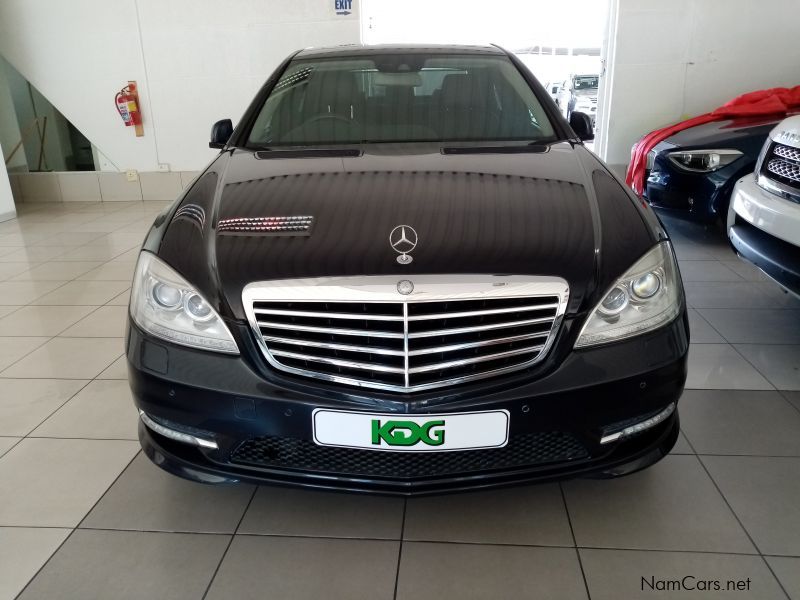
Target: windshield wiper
(267, 153)
(529, 148)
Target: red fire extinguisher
(127, 103)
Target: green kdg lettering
(408, 433)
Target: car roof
(354, 50)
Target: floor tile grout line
(400, 549)
(777, 579)
(785, 397)
(728, 504)
(419, 541)
(230, 543)
(574, 540)
(58, 408)
(76, 527)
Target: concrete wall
(682, 58)
(195, 61)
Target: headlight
(165, 305)
(703, 161)
(645, 298)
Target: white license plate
(411, 433)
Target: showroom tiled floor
(84, 515)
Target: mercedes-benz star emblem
(403, 240)
(405, 287)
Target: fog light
(174, 434)
(640, 426)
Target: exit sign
(343, 7)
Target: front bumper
(261, 420)
(765, 229)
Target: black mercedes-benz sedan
(404, 273)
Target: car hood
(538, 212)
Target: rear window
(400, 98)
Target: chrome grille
(784, 169)
(787, 152)
(361, 331)
(782, 165)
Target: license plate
(411, 433)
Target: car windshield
(586, 82)
(400, 98)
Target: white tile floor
(83, 514)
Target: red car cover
(775, 101)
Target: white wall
(7, 210)
(195, 61)
(682, 58)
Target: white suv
(764, 214)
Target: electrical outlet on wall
(132, 175)
(163, 167)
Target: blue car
(692, 173)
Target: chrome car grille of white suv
(363, 331)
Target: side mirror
(221, 132)
(581, 124)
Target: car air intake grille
(407, 345)
(523, 450)
(782, 164)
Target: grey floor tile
(673, 505)
(736, 294)
(103, 410)
(25, 403)
(11, 269)
(632, 575)
(54, 483)
(89, 293)
(117, 370)
(7, 310)
(67, 358)
(122, 299)
(23, 292)
(6, 443)
(42, 320)
(706, 270)
(23, 551)
(793, 397)
(56, 271)
(146, 498)
(755, 326)
(467, 571)
(779, 363)
(787, 570)
(763, 493)
(682, 445)
(746, 269)
(106, 321)
(740, 422)
(533, 515)
(13, 349)
(284, 511)
(720, 367)
(306, 569)
(129, 565)
(701, 331)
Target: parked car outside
(553, 87)
(693, 172)
(578, 93)
(764, 215)
(404, 273)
